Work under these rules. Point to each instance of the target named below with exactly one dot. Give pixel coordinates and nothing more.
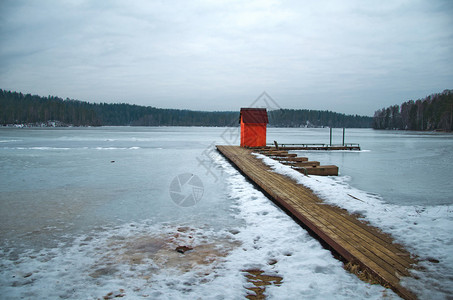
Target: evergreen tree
(434, 112)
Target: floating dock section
(356, 242)
(301, 164)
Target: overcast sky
(347, 56)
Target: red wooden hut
(253, 127)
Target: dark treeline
(434, 112)
(135, 115)
(316, 118)
(17, 108)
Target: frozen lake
(85, 212)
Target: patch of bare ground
(260, 281)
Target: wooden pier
(325, 147)
(355, 241)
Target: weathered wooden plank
(320, 148)
(308, 163)
(285, 155)
(352, 239)
(274, 152)
(293, 159)
(318, 170)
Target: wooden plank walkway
(325, 147)
(354, 240)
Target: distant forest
(17, 108)
(434, 112)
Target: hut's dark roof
(254, 115)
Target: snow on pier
(364, 247)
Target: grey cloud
(349, 56)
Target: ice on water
(87, 213)
(139, 259)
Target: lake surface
(405, 168)
(89, 211)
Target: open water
(94, 212)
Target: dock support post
(344, 129)
(330, 136)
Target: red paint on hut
(253, 127)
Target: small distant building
(253, 127)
